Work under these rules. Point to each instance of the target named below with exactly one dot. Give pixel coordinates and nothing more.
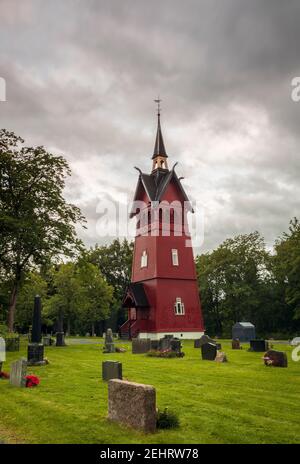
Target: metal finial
(158, 100)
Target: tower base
(180, 335)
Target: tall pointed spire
(159, 147)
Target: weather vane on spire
(158, 100)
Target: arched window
(179, 307)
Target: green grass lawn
(242, 401)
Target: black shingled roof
(159, 147)
(156, 183)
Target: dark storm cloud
(81, 77)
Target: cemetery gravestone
(165, 342)
(132, 404)
(60, 339)
(235, 344)
(2, 352)
(209, 351)
(221, 357)
(35, 354)
(204, 339)
(141, 345)
(175, 345)
(258, 345)
(154, 345)
(109, 346)
(111, 370)
(275, 358)
(169, 343)
(35, 350)
(18, 373)
(47, 340)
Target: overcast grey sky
(82, 75)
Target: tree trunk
(60, 321)
(12, 306)
(69, 326)
(93, 329)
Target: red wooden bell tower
(163, 297)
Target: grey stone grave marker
(221, 357)
(18, 373)
(132, 404)
(141, 345)
(111, 370)
(2, 352)
(109, 346)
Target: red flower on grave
(32, 381)
(4, 375)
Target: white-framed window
(144, 259)
(179, 307)
(175, 261)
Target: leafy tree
(36, 223)
(67, 300)
(287, 273)
(33, 285)
(97, 294)
(232, 281)
(81, 296)
(115, 263)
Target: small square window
(175, 261)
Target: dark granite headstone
(200, 341)
(141, 345)
(111, 370)
(275, 358)
(154, 345)
(235, 344)
(209, 351)
(258, 345)
(35, 353)
(35, 350)
(175, 345)
(165, 342)
(60, 339)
